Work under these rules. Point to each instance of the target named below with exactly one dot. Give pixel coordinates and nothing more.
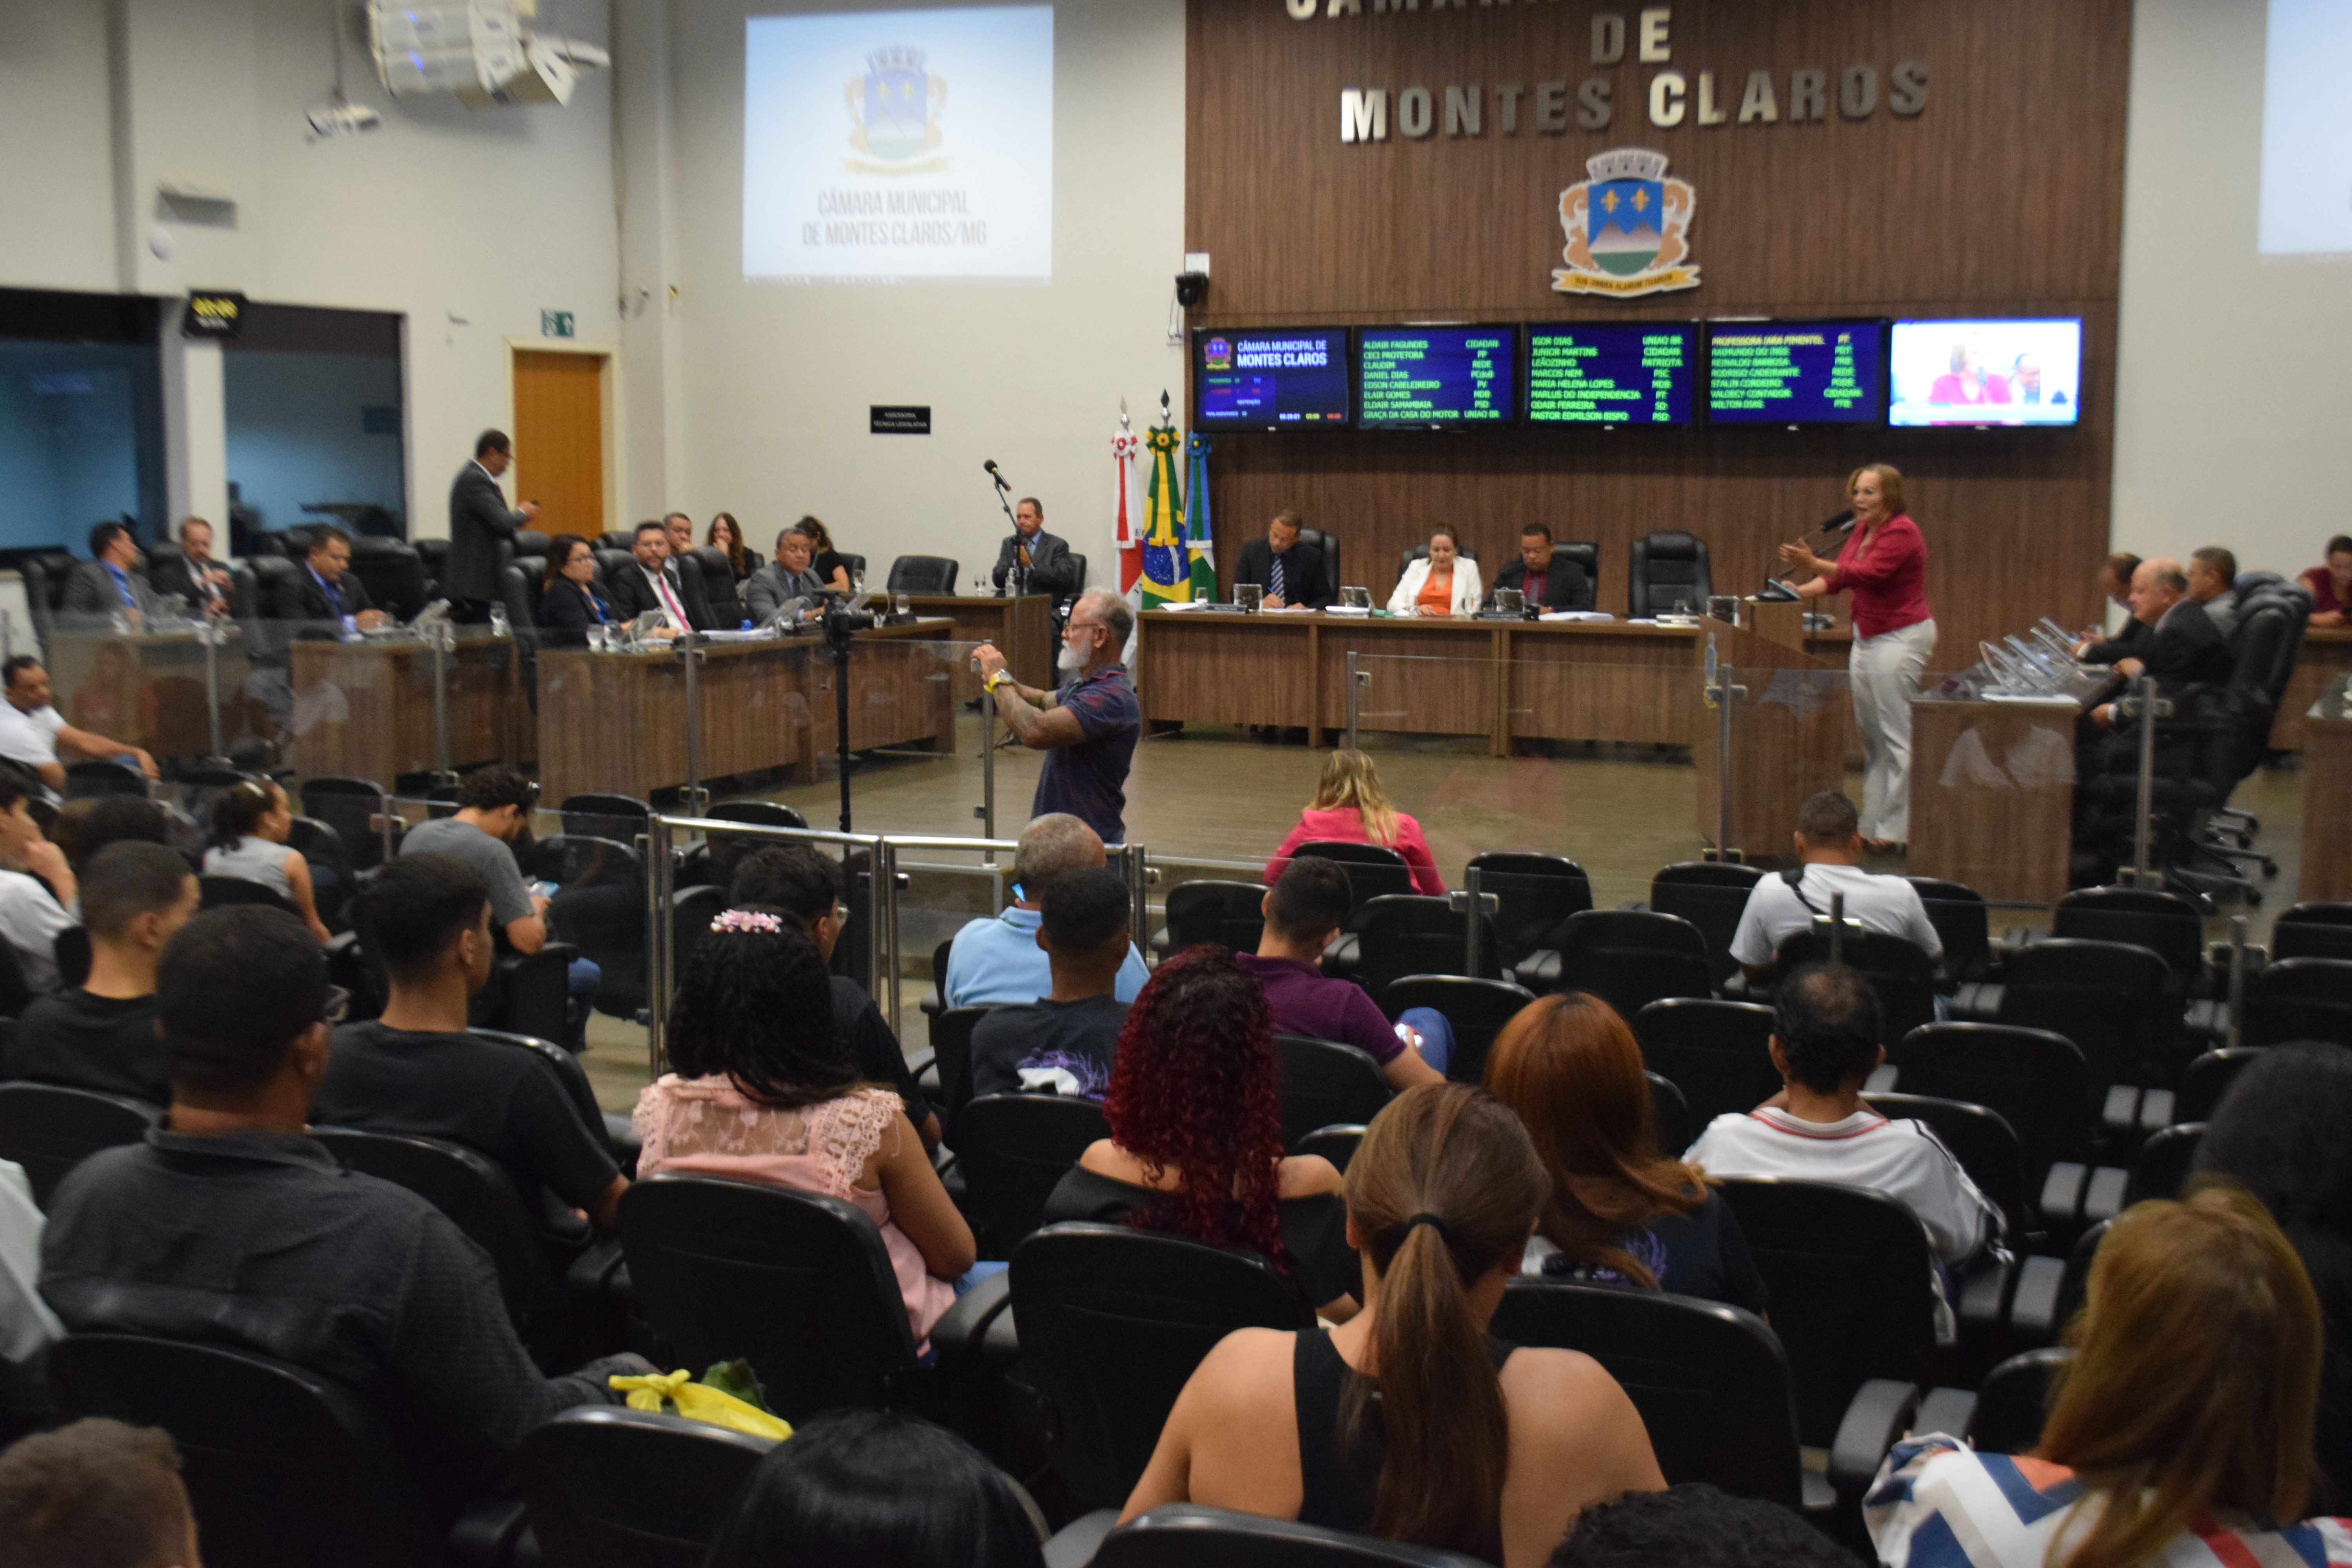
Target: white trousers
(1885, 672)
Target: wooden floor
(1219, 795)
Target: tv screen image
(2025, 371)
(1271, 379)
(1627, 372)
(1796, 373)
(1436, 378)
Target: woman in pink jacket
(1350, 805)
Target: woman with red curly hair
(1195, 1143)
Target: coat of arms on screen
(1628, 228)
(893, 113)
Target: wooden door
(559, 439)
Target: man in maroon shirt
(1304, 911)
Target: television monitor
(1612, 372)
(1796, 373)
(1275, 378)
(1961, 372)
(1436, 378)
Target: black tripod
(840, 627)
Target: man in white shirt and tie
(655, 585)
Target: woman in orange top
(1445, 583)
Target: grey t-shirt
(509, 898)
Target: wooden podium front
(1785, 733)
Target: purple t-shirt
(1088, 779)
(1304, 1002)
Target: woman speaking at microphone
(1885, 566)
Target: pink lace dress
(704, 1125)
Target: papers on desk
(1172, 605)
(1287, 610)
(1576, 616)
(1348, 610)
(738, 634)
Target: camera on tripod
(841, 623)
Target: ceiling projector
(478, 50)
(338, 116)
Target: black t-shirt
(827, 563)
(1080, 1037)
(1702, 1253)
(879, 1060)
(501, 1100)
(90, 1042)
(1314, 1229)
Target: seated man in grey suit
(1029, 548)
(191, 573)
(109, 582)
(655, 583)
(788, 577)
(1547, 581)
(1292, 574)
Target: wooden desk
(2326, 654)
(2327, 734)
(147, 690)
(616, 722)
(1993, 795)
(364, 710)
(1021, 627)
(1786, 736)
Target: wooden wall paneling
(2004, 197)
(1633, 684)
(2326, 654)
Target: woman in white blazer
(1457, 591)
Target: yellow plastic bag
(699, 1402)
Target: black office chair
(615, 816)
(599, 908)
(1421, 552)
(332, 878)
(2114, 1000)
(691, 911)
(361, 813)
(1534, 895)
(952, 1053)
(1711, 1381)
(758, 814)
(1670, 1116)
(2164, 1163)
(1226, 913)
(393, 573)
(1717, 1053)
(1668, 574)
(2167, 924)
(49, 1129)
(2299, 999)
(1399, 934)
(1987, 1150)
(1902, 976)
(2013, 1401)
(226, 892)
(612, 1488)
(1113, 1321)
(613, 559)
(1336, 1144)
(2206, 1080)
(1374, 870)
(1325, 1083)
(88, 781)
(1328, 544)
(1187, 1535)
(922, 574)
(797, 1284)
(1711, 895)
(477, 1196)
(1475, 1008)
(1585, 555)
(284, 1468)
(1957, 912)
(1852, 1301)
(1631, 958)
(2313, 930)
(1012, 1149)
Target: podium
(1775, 714)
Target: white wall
(2234, 370)
(777, 378)
(468, 222)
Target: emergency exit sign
(555, 323)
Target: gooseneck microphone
(1841, 523)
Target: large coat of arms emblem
(1628, 228)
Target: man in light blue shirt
(996, 962)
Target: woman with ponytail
(251, 823)
(1408, 1422)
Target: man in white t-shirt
(33, 732)
(1825, 1041)
(1829, 845)
(33, 915)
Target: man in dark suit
(1030, 548)
(325, 590)
(2182, 649)
(2115, 582)
(1292, 574)
(478, 518)
(110, 582)
(1549, 584)
(655, 583)
(189, 573)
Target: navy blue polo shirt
(1088, 778)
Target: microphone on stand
(1020, 583)
(990, 465)
(1777, 592)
